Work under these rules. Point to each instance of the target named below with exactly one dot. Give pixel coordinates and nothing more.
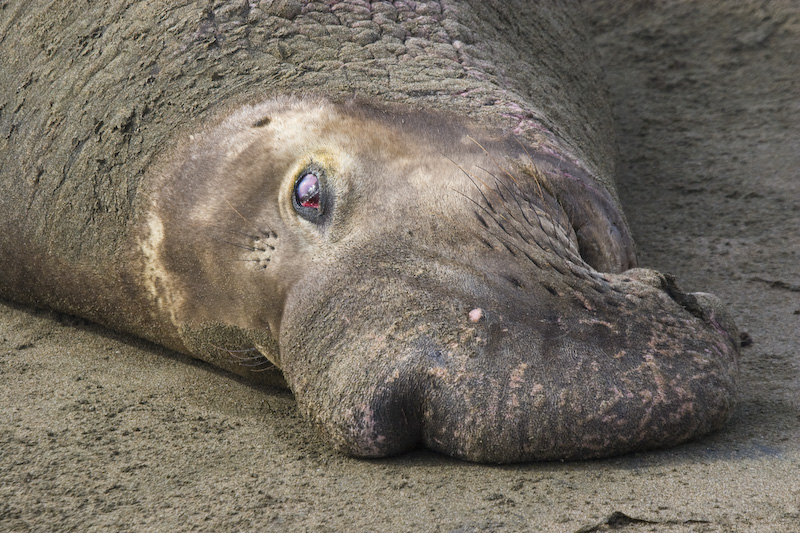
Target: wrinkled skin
(443, 296)
(468, 282)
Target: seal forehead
(296, 127)
(288, 122)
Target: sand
(100, 431)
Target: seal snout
(484, 370)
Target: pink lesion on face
(476, 314)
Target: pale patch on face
(299, 128)
(156, 280)
(237, 144)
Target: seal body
(440, 260)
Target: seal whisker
(239, 245)
(500, 183)
(496, 187)
(236, 211)
(488, 213)
(265, 260)
(530, 224)
(508, 246)
(472, 179)
(493, 189)
(268, 233)
(535, 173)
(507, 216)
(486, 185)
(498, 193)
(503, 241)
(255, 363)
(511, 176)
(532, 206)
(491, 157)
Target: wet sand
(100, 431)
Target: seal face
(420, 281)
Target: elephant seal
(467, 283)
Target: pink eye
(306, 191)
(309, 199)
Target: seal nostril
(667, 284)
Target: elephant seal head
(421, 282)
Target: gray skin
(467, 283)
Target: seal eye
(307, 197)
(306, 191)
